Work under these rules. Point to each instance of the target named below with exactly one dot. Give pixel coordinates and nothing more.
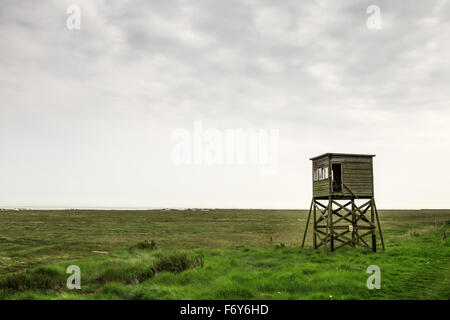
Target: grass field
(230, 254)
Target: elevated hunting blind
(343, 203)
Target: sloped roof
(343, 155)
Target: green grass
(220, 254)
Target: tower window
(320, 174)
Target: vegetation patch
(147, 245)
(411, 267)
(178, 263)
(42, 278)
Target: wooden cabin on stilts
(343, 208)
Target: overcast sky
(87, 116)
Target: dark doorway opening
(336, 169)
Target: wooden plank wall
(321, 188)
(357, 174)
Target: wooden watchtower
(343, 203)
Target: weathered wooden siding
(357, 174)
(322, 162)
(321, 188)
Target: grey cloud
(312, 69)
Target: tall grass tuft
(39, 279)
(147, 245)
(137, 274)
(178, 263)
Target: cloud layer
(86, 115)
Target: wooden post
(330, 205)
(372, 216)
(315, 225)
(353, 224)
(372, 222)
(374, 243)
(327, 221)
(379, 226)
(307, 223)
(330, 222)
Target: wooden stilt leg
(379, 226)
(307, 223)
(372, 221)
(327, 221)
(315, 226)
(353, 224)
(330, 223)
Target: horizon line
(129, 208)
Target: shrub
(142, 275)
(44, 278)
(40, 279)
(178, 263)
(136, 274)
(147, 245)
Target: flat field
(215, 254)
